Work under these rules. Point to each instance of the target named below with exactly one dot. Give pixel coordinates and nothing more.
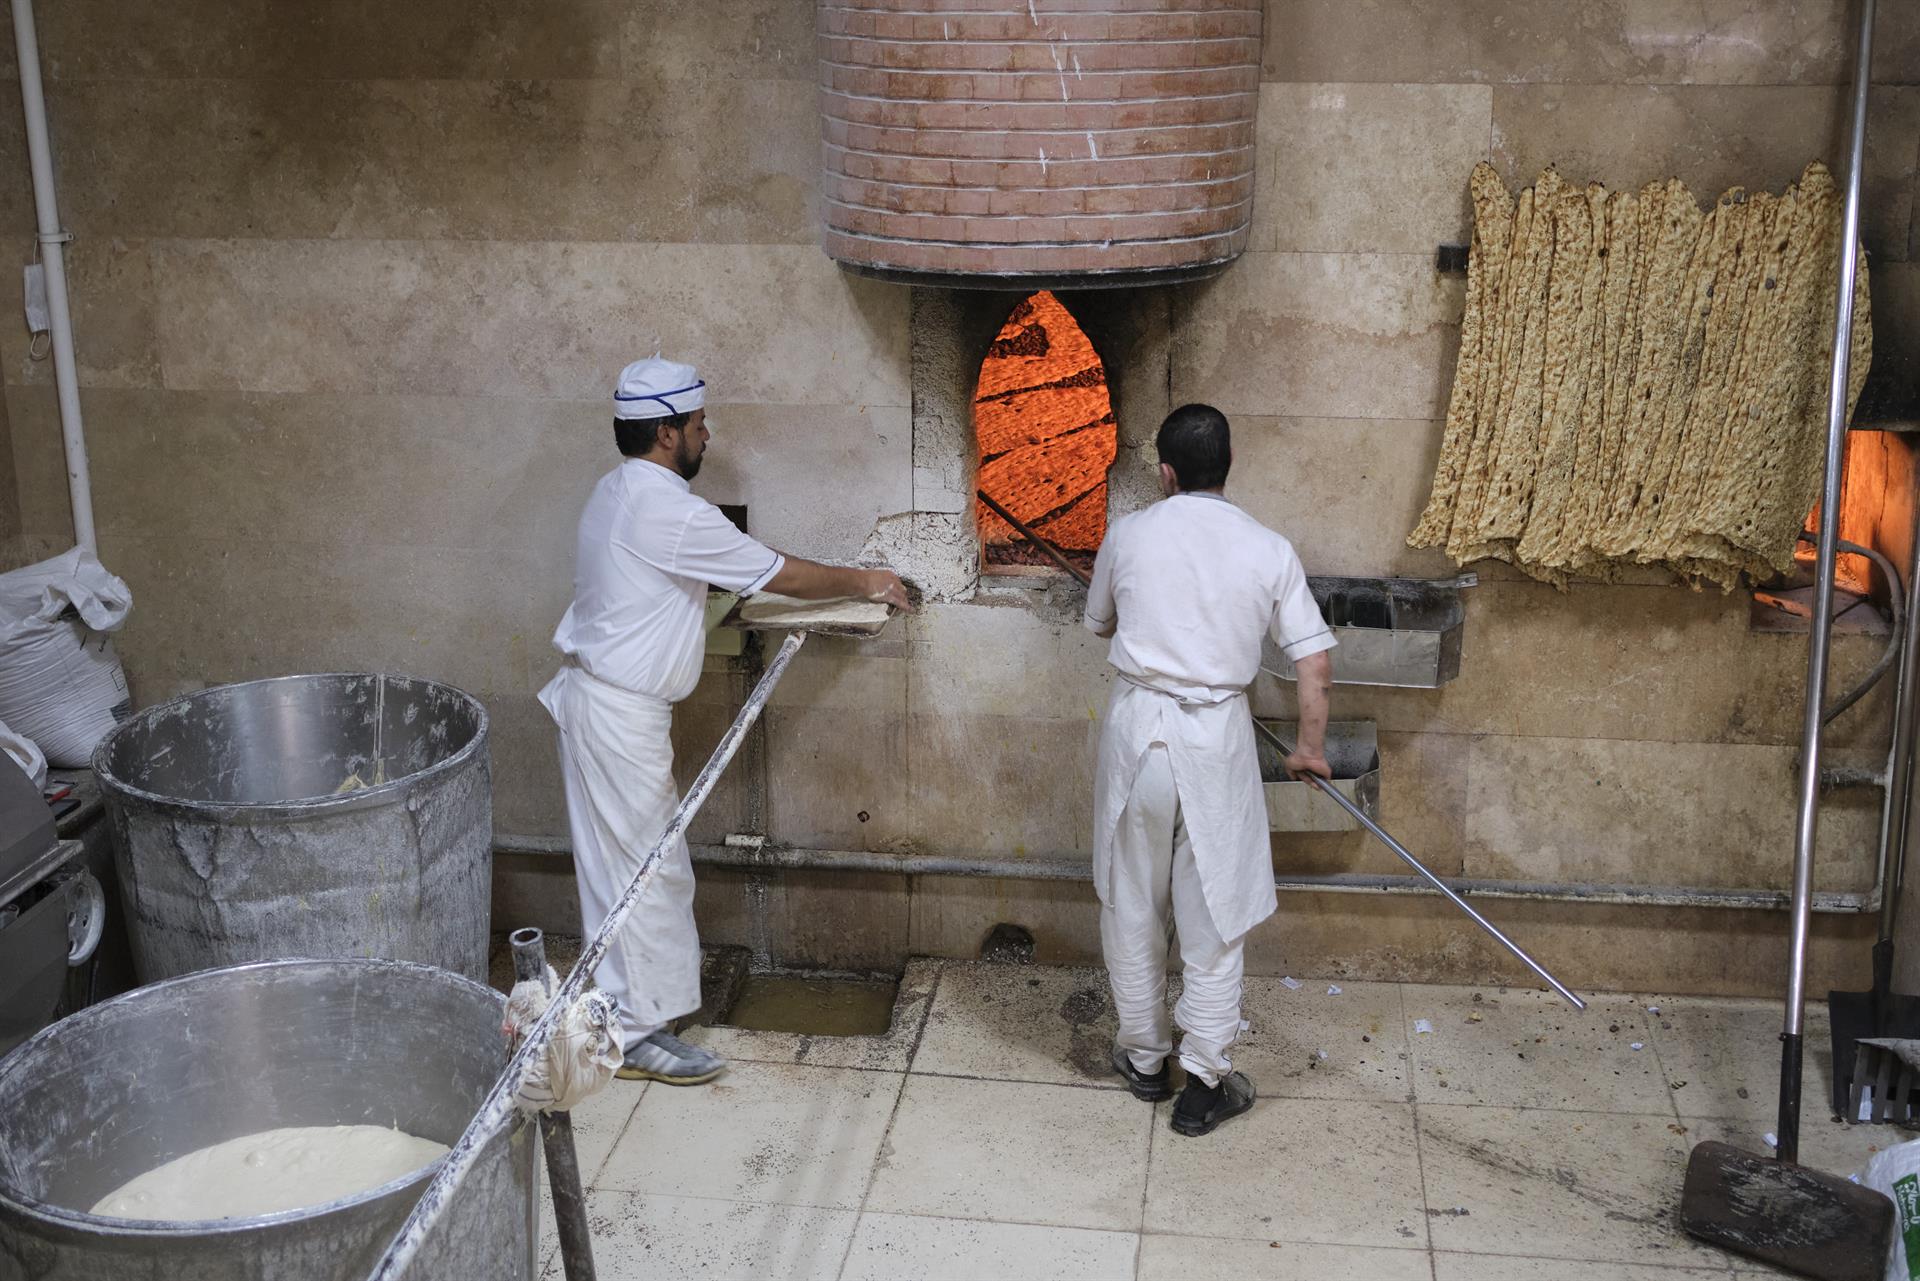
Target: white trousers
(1155, 889)
(617, 759)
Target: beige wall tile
(1010, 785)
(547, 160)
(193, 38)
(1712, 138)
(528, 798)
(1006, 660)
(440, 39)
(537, 320)
(952, 916)
(1591, 947)
(1368, 168)
(208, 611)
(115, 338)
(1635, 663)
(1626, 41)
(420, 471)
(843, 672)
(1423, 803)
(1320, 335)
(837, 778)
(1345, 491)
(1572, 810)
(815, 478)
(741, 39)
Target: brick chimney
(1043, 142)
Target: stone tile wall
(351, 282)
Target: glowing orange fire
(1047, 437)
(1863, 490)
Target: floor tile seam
(731, 1200)
(893, 1116)
(1006, 1222)
(1402, 1248)
(1419, 1154)
(1096, 1086)
(589, 1181)
(1011, 1223)
(1534, 1107)
(736, 1057)
(1666, 1077)
(1548, 1258)
(816, 1067)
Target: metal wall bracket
(1402, 632)
(1353, 749)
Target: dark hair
(1195, 442)
(636, 437)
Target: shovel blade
(1814, 1224)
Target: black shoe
(1148, 1086)
(1202, 1106)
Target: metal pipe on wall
(53, 240)
(772, 858)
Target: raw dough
(274, 1170)
(770, 611)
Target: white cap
(656, 388)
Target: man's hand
(1302, 763)
(883, 586)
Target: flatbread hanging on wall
(1639, 382)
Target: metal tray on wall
(1353, 749)
(1403, 632)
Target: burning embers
(1046, 430)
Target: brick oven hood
(1038, 143)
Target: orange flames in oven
(1046, 430)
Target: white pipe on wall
(53, 253)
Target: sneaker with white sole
(665, 1057)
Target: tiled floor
(982, 1137)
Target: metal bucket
(318, 816)
(127, 1085)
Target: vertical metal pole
(1818, 641)
(556, 1133)
(53, 242)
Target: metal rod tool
(497, 1109)
(1326, 789)
(556, 1133)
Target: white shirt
(1196, 583)
(1193, 584)
(647, 550)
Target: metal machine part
(1353, 750)
(132, 1083)
(1401, 632)
(52, 911)
(326, 816)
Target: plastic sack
(61, 684)
(583, 1054)
(25, 754)
(1895, 1173)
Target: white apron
(616, 754)
(1217, 775)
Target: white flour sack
(61, 684)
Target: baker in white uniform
(633, 641)
(1187, 588)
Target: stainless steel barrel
(344, 815)
(127, 1085)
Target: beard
(686, 459)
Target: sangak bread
(1639, 382)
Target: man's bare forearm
(1314, 675)
(810, 580)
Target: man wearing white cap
(633, 639)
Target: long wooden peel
(1325, 789)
